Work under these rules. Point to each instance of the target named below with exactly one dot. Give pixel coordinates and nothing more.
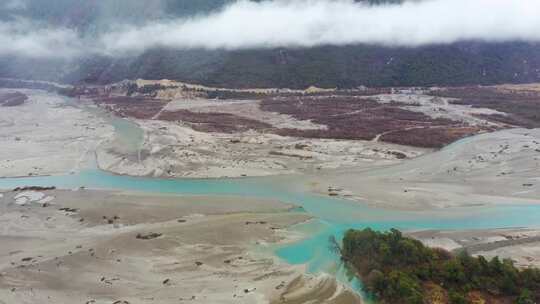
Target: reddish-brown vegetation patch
(355, 118)
(214, 122)
(429, 137)
(347, 116)
(523, 107)
(12, 99)
(137, 107)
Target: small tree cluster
(399, 269)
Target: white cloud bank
(23, 38)
(307, 23)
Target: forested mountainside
(462, 63)
(329, 66)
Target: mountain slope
(325, 66)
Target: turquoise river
(332, 215)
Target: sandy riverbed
(495, 168)
(174, 150)
(207, 250)
(46, 136)
(108, 263)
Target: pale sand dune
(44, 136)
(439, 107)
(522, 245)
(174, 150)
(499, 167)
(520, 88)
(90, 252)
(183, 85)
(311, 290)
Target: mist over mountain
(270, 43)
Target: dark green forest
(399, 269)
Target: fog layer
(301, 23)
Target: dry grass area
(136, 107)
(430, 137)
(522, 106)
(321, 117)
(214, 122)
(409, 117)
(363, 119)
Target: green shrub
(396, 268)
(455, 297)
(525, 297)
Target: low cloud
(303, 23)
(13, 5)
(311, 23)
(23, 38)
